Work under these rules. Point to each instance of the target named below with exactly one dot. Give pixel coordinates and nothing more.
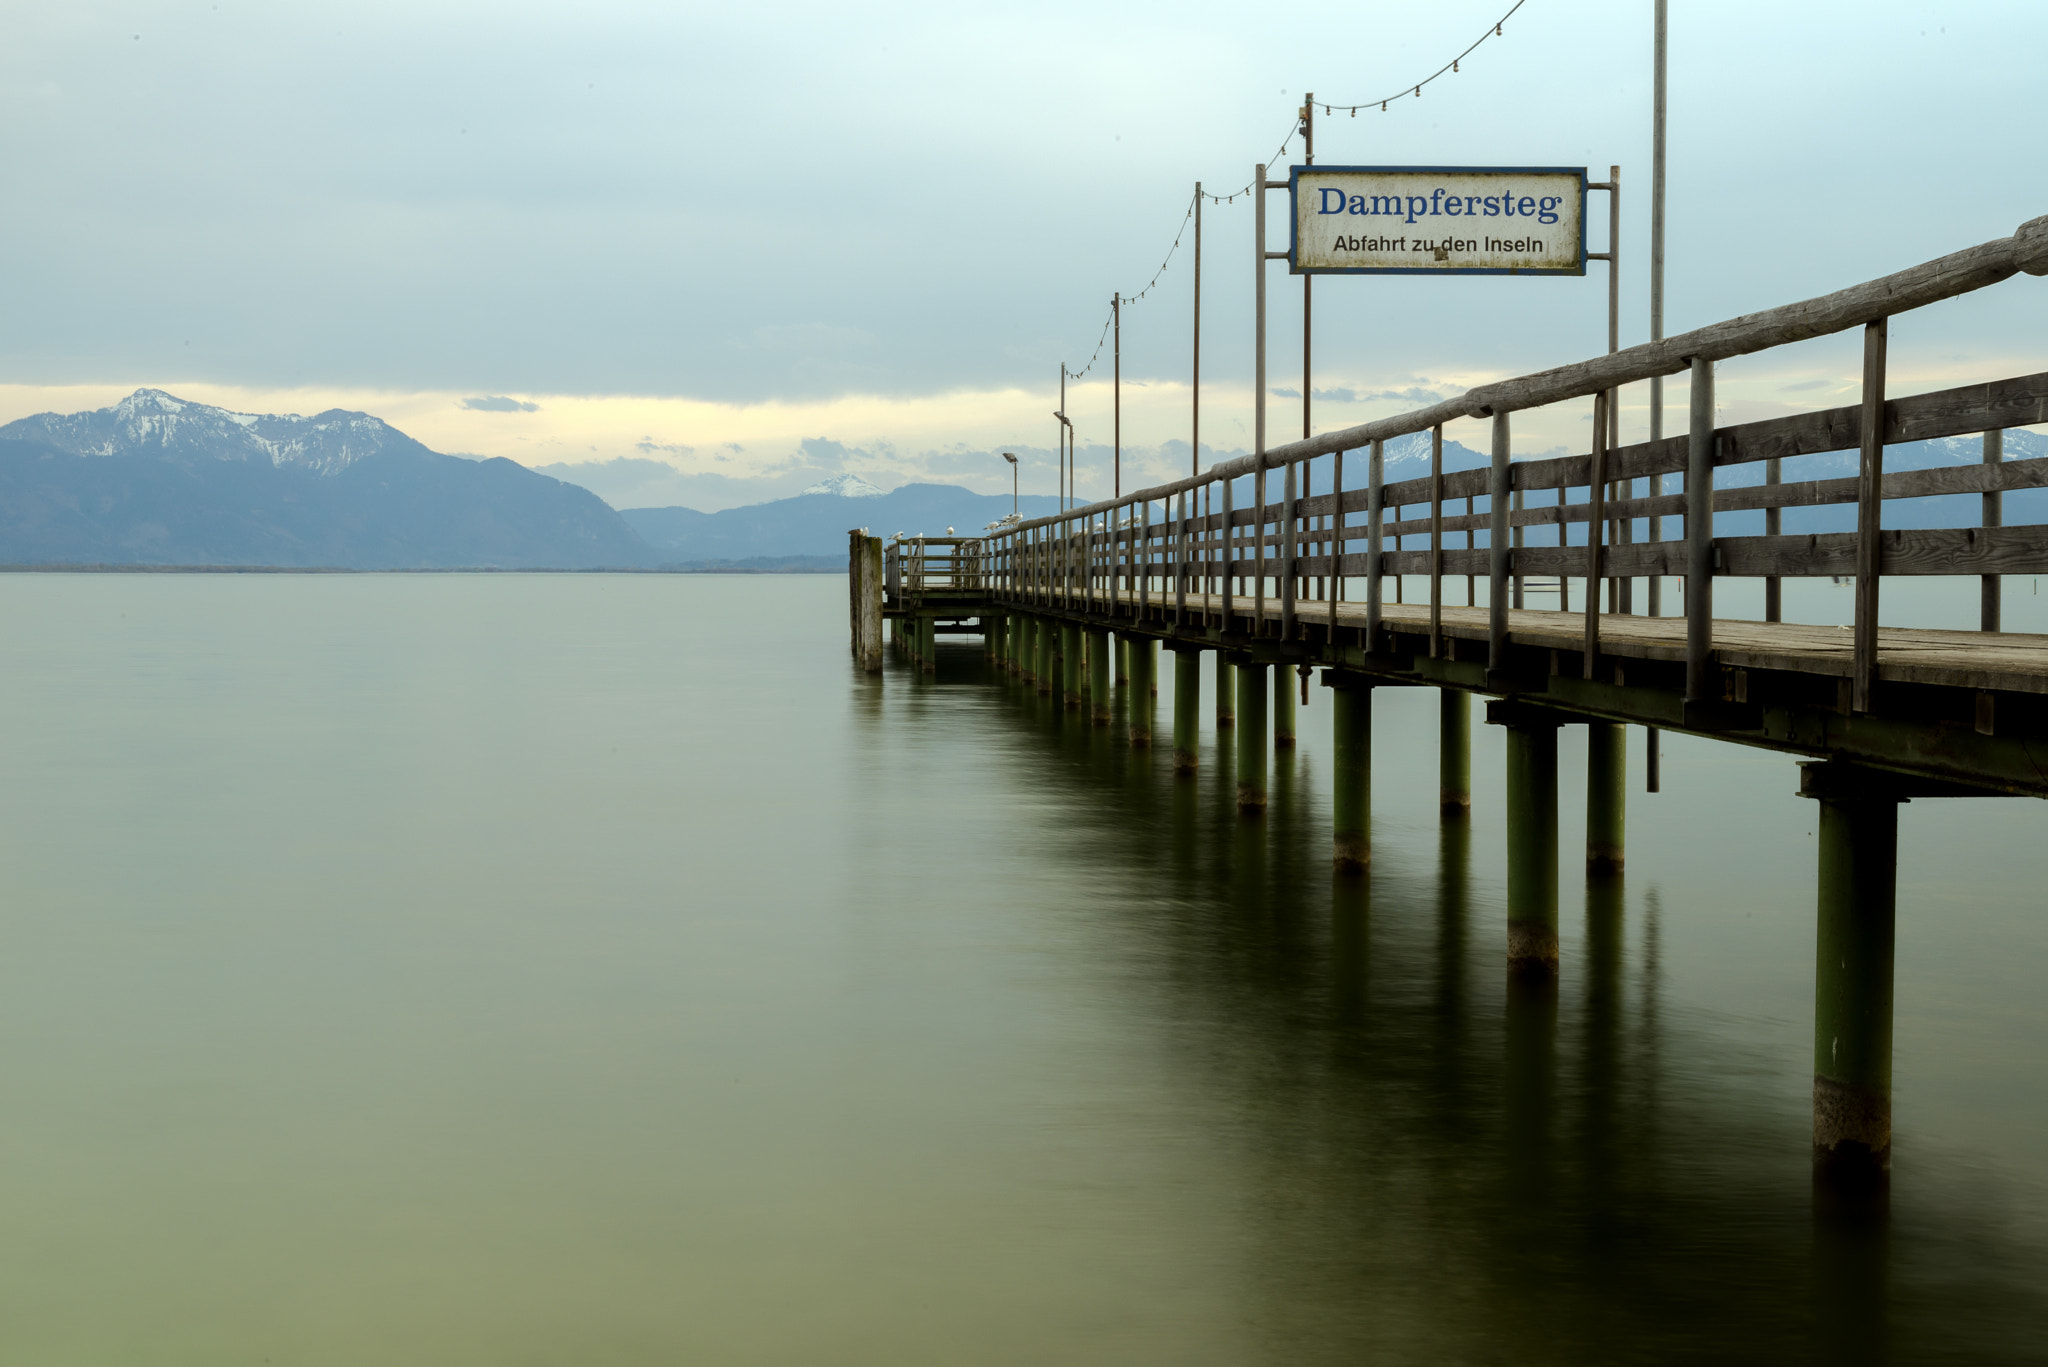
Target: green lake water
(585, 969)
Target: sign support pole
(1652, 768)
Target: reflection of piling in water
(1851, 1272)
(1528, 1082)
(1603, 1018)
(1351, 945)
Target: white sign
(1438, 220)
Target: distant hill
(156, 480)
(815, 524)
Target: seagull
(949, 531)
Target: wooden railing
(1145, 553)
(915, 566)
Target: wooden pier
(1290, 582)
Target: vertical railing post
(1375, 523)
(1596, 531)
(1774, 600)
(1699, 535)
(1336, 576)
(1180, 561)
(1229, 552)
(1869, 515)
(1436, 540)
(1497, 552)
(1288, 567)
(1994, 516)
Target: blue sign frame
(1294, 266)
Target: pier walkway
(1280, 585)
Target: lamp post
(1013, 482)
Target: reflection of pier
(1280, 585)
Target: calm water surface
(593, 969)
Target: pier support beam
(1251, 738)
(1852, 987)
(1351, 776)
(1606, 796)
(1532, 835)
(1101, 701)
(1284, 684)
(1454, 752)
(1123, 662)
(1226, 692)
(1187, 710)
(1048, 651)
(1024, 662)
(927, 645)
(1073, 686)
(1144, 663)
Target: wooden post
(1497, 554)
(1454, 752)
(1351, 777)
(1336, 580)
(1994, 516)
(1251, 738)
(866, 574)
(1869, 515)
(1229, 556)
(1774, 599)
(1858, 840)
(1288, 550)
(1606, 795)
(1187, 710)
(1699, 537)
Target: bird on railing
(949, 531)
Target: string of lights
(1409, 92)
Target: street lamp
(1013, 482)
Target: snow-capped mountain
(151, 422)
(845, 486)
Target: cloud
(498, 403)
(1808, 384)
(1285, 393)
(648, 446)
(1336, 395)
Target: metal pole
(1116, 315)
(1259, 392)
(1652, 768)
(1195, 390)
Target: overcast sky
(757, 243)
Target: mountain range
(155, 480)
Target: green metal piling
(1123, 662)
(1187, 710)
(1026, 660)
(1856, 927)
(1454, 752)
(1226, 692)
(1144, 661)
(1606, 796)
(1284, 684)
(1251, 739)
(1048, 651)
(1101, 696)
(1073, 682)
(1351, 779)
(1532, 840)
(928, 644)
